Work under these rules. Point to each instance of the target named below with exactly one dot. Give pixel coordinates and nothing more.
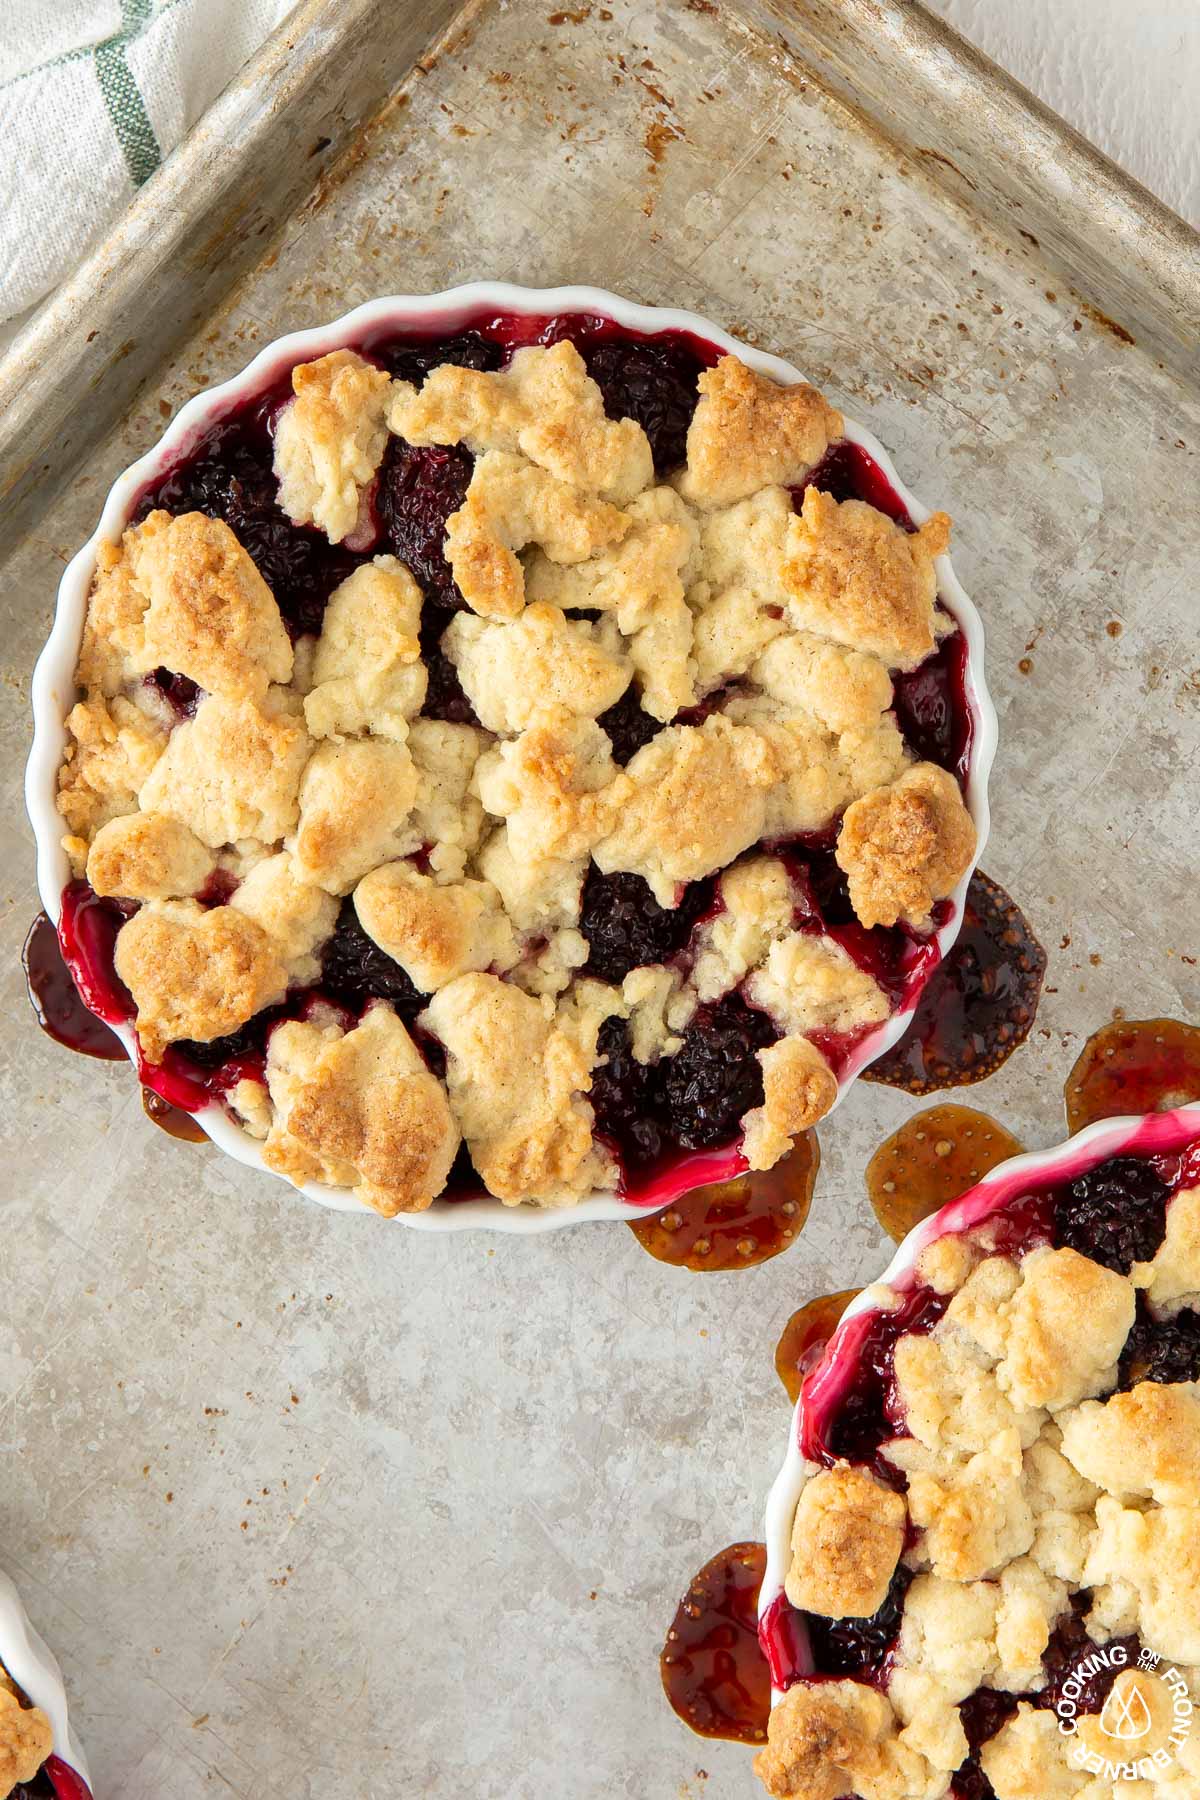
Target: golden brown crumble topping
(854, 576)
(906, 845)
(517, 1077)
(308, 774)
(846, 1541)
(148, 856)
(195, 974)
(330, 440)
(749, 433)
(359, 1109)
(838, 1739)
(696, 800)
(26, 1739)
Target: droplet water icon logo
(1126, 1715)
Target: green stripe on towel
(122, 98)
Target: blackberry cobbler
(515, 761)
(996, 1552)
(26, 1742)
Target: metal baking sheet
(311, 1507)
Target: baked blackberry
(1116, 1213)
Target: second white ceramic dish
(1141, 1135)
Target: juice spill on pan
(737, 1223)
(979, 1003)
(55, 998)
(933, 1157)
(1134, 1066)
(713, 1671)
(172, 1119)
(805, 1336)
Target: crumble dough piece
(550, 968)
(517, 1081)
(233, 771)
(642, 584)
(367, 673)
(1025, 1760)
(446, 815)
(1144, 1444)
(195, 974)
(799, 1087)
(1144, 1573)
(112, 654)
(359, 1109)
(1064, 1329)
(296, 915)
(737, 590)
(953, 1404)
(329, 441)
(112, 747)
(819, 773)
(811, 984)
(511, 503)
(945, 1264)
(847, 1536)
(830, 1739)
(975, 1515)
(946, 1643)
(544, 405)
(148, 856)
(209, 614)
(845, 689)
(749, 432)
(1172, 1279)
(696, 800)
(355, 803)
(540, 897)
(434, 932)
(903, 847)
(853, 575)
(659, 1008)
(556, 785)
(511, 672)
(26, 1737)
(758, 906)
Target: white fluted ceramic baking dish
(1140, 1135)
(35, 1671)
(54, 690)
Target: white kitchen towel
(93, 95)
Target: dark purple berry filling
(1166, 1350)
(414, 358)
(654, 382)
(419, 488)
(860, 1648)
(249, 1040)
(230, 476)
(354, 970)
(982, 1715)
(1116, 1213)
(715, 1078)
(1069, 1647)
(623, 1098)
(626, 927)
(444, 696)
(180, 694)
(627, 725)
